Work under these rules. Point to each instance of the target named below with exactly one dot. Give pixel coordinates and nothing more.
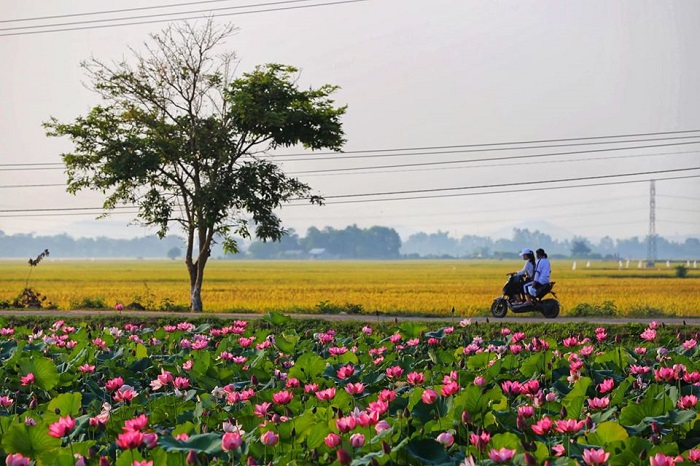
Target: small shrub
(31, 299)
(89, 303)
(646, 311)
(681, 271)
(326, 307)
(607, 309)
(169, 305)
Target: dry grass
(427, 287)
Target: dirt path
(365, 317)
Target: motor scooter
(514, 288)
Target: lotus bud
(563, 412)
(466, 418)
(251, 461)
(344, 457)
(253, 380)
(386, 448)
(191, 458)
(655, 427)
(530, 460)
(104, 461)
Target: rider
(543, 270)
(528, 270)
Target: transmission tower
(651, 240)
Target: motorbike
(513, 288)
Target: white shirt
(542, 271)
(528, 270)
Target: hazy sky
(414, 74)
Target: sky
(428, 85)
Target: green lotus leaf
(67, 404)
(607, 432)
(202, 443)
(30, 441)
(428, 451)
(44, 370)
(574, 400)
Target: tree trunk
(196, 298)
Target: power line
(506, 191)
(493, 149)
(485, 144)
(143, 8)
(102, 26)
(450, 162)
(512, 164)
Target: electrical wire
(102, 26)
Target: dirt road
(369, 318)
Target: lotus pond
(263, 392)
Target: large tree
(181, 139)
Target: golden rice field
(426, 287)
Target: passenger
(528, 270)
(543, 270)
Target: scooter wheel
(499, 308)
(550, 308)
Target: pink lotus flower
(326, 395)
(269, 438)
(16, 459)
(569, 426)
(357, 440)
(606, 385)
(355, 388)
(570, 342)
(383, 425)
(660, 459)
(394, 372)
(6, 401)
(231, 441)
(130, 439)
(86, 369)
(114, 384)
(598, 403)
(639, 370)
(449, 389)
(479, 381)
(595, 457)
(183, 437)
(345, 372)
(188, 365)
(415, 378)
(137, 423)
(142, 463)
(649, 334)
(559, 450)
(543, 426)
(503, 455)
(282, 398)
(332, 440)
(446, 439)
(690, 344)
(526, 411)
(664, 374)
(429, 396)
(480, 441)
(511, 387)
(687, 402)
(694, 455)
(62, 427)
(261, 410)
(150, 440)
(346, 424)
(27, 379)
(125, 394)
(181, 383)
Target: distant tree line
(353, 242)
(440, 244)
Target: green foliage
(89, 303)
(681, 271)
(148, 144)
(607, 309)
(327, 307)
